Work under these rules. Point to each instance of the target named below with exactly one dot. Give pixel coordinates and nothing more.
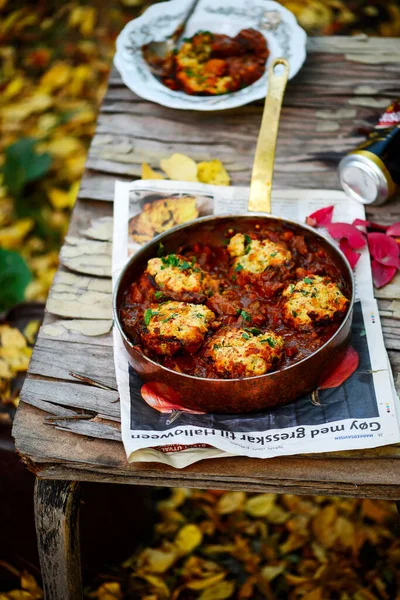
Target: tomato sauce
(246, 302)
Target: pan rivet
(257, 226)
(231, 231)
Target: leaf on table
(180, 167)
(14, 277)
(212, 172)
(148, 173)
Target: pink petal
(384, 249)
(381, 274)
(320, 217)
(369, 225)
(345, 230)
(345, 368)
(349, 253)
(361, 222)
(394, 229)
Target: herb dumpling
(244, 352)
(179, 278)
(255, 256)
(172, 326)
(313, 300)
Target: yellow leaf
(213, 172)
(5, 371)
(230, 502)
(28, 583)
(187, 539)
(61, 148)
(109, 591)
(221, 591)
(11, 237)
(57, 76)
(18, 111)
(271, 571)
(277, 515)
(11, 337)
(293, 542)
(17, 595)
(13, 88)
(179, 167)
(344, 530)
(200, 584)
(17, 358)
(323, 526)
(148, 173)
(315, 594)
(63, 199)
(159, 585)
(31, 330)
(260, 505)
(156, 561)
(374, 510)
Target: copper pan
(252, 393)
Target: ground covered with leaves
(55, 58)
(212, 545)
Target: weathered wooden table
(343, 87)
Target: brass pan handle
(263, 168)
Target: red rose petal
(320, 217)
(394, 229)
(349, 253)
(345, 368)
(345, 230)
(381, 274)
(384, 249)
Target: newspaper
(361, 413)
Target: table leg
(57, 530)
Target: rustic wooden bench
(67, 431)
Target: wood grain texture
(57, 530)
(341, 90)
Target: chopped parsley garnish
(291, 288)
(307, 280)
(158, 295)
(172, 260)
(238, 268)
(253, 330)
(170, 317)
(273, 254)
(200, 315)
(245, 315)
(234, 278)
(247, 238)
(160, 250)
(294, 313)
(245, 335)
(189, 72)
(148, 314)
(216, 346)
(270, 342)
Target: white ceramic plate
(279, 26)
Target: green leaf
(23, 165)
(307, 280)
(14, 277)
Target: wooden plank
(57, 529)
(49, 455)
(80, 297)
(56, 360)
(74, 395)
(93, 331)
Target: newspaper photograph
(360, 412)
